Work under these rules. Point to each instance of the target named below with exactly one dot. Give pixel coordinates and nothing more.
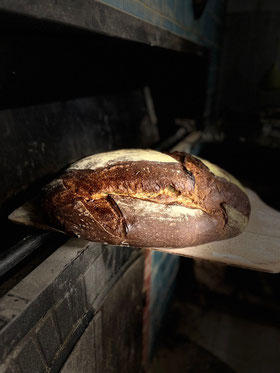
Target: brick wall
(82, 287)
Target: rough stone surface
(48, 338)
(32, 298)
(30, 360)
(90, 282)
(96, 279)
(2, 323)
(77, 300)
(105, 267)
(121, 323)
(64, 317)
(98, 337)
(48, 311)
(9, 370)
(112, 339)
(82, 358)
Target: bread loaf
(144, 198)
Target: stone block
(95, 279)
(64, 317)
(82, 358)
(48, 338)
(29, 359)
(32, 297)
(120, 324)
(90, 282)
(77, 300)
(98, 336)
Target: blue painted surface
(177, 16)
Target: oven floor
(220, 323)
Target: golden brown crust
(147, 203)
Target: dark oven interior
(78, 83)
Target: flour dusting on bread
(120, 156)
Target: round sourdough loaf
(144, 198)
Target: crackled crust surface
(146, 198)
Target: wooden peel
(32, 215)
(258, 247)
